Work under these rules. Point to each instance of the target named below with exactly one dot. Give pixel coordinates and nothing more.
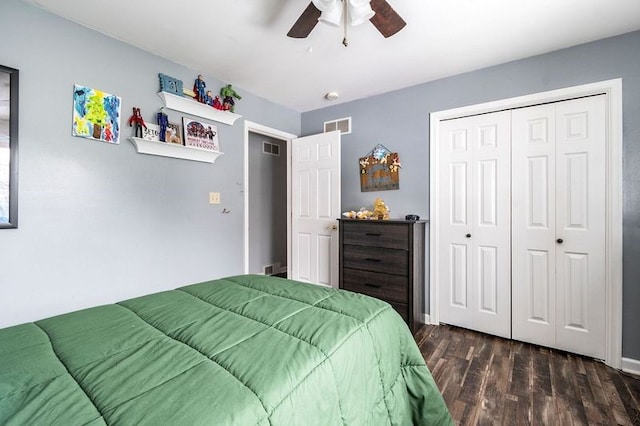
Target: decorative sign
(379, 170)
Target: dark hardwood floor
(487, 380)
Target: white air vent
(342, 124)
(270, 148)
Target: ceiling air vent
(342, 124)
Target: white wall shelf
(164, 149)
(193, 107)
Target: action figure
(217, 104)
(136, 118)
(198, 87)
(227, 93)
(162, 120)
(208, 98)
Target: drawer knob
(369, 259)
(371, 285)
(371, 234)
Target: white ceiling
(243, 42)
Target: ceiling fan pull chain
(345, 19)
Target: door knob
(332, 228)
(468, 235)
(559, 240)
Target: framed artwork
(379, 170)
(170, 85)
(200, 135)
(96, 114)
(8, 147)
(173, 135)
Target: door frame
(251, 127)
(613, 240)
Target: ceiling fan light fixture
(360, 12)
(332, 16)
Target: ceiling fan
(353, 12)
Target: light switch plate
(214, 198)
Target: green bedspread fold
(244, 350)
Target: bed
(243, 350)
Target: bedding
(244, 350)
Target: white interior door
(475, 225)
(559, 207)
(315, 201)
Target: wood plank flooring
(487, 380)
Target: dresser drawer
(375, 234)
(375, 259)
(381, 286)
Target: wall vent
(268, 270)
(270, 148)
(342, 124)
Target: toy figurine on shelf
(163, 121)
(227, 93)
(198, 87)
(217, 104)
(137, 122)
(208, 98)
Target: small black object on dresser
(385, 259)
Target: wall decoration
(170, 85)
(200, 135)
(96, 114)
(379, 170)
(8, 147)
(173, 134)
(151, 133)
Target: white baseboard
(631, 366)
(426, 319)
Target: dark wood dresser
(385, 259)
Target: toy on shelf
(227, 93)
(163, 121)
(199, 88)
(137, 122)
(170, 84)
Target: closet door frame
(613, 261)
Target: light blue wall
(400, 121)
(98, 222)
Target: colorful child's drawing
(96, 114)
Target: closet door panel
(455, 278)
(580, 195)
(491, 217)
(474, 236)
(533, 224)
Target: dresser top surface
(390, 221)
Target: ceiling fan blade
(305, 23)
(386, 20)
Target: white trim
(631, 366)
(250, 127)
(613, 90)
(426, 319)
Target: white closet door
(475, 233)
(580, 224)
(558, 225)
(534, 224)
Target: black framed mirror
(8, 147)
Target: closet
(521, 207)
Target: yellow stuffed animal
(380, 210)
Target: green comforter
(245, 350)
